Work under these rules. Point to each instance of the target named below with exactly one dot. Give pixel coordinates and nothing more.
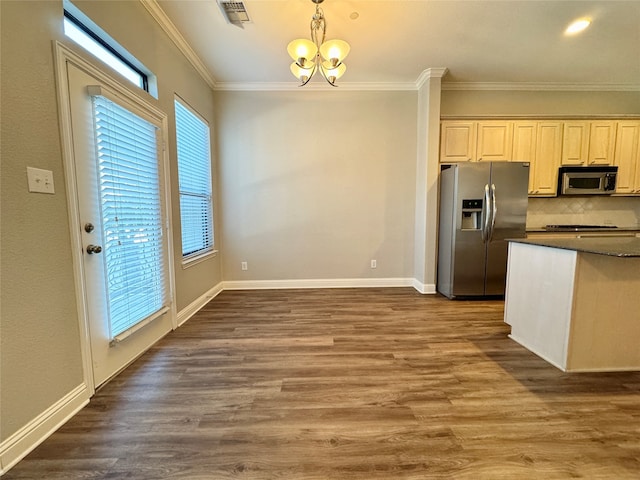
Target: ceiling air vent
(234, 13)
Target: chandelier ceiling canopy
(317, 54)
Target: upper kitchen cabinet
(627, 157)
(540, 144)
(464, 141)
(588, 142)
(524, 146)
(546, 145)
(575, 143)
(602, 140)
(495, 141)
(457, 141)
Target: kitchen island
(575, 302)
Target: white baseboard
(318, 283)
(424, 288)
(21, 443)
(191, 309)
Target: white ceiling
(393, 41)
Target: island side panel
(605, 328)
(538, 299)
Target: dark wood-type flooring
(347, 384)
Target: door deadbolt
(88, 227)
(91, 249)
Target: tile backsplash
(593, 210)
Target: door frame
(63, 57)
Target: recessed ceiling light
(577, 26)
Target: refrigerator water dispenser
(471, 214)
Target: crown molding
(548, 87)
(424, 76)
(430, 73)
(170, 29)
(292, 86)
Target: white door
(127, 294)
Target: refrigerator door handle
(494, 212)
(486, 214)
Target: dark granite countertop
(613, 246)
(587, 230)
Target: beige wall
(315, 184)
(40, 350)
(427, 172)
(540, 103)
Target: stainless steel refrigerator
(481, 205)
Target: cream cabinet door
(457, 141)
(627, 157)
(547, 161)
(524, 146)
(575, 143)
(495, 141)
(602, 139)
(637, 182)
(488, 140)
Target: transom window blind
(194, 176)
(133, 246)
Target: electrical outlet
(374, 264)
(244, 266)
(40, 181)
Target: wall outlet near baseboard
(244, 266)
(374, 264)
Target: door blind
(194, 176)
(132, 224)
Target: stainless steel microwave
(600, 180)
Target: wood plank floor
(347, 384)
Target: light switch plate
(40, 181)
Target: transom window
(79, 28)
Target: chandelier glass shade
(317, 54)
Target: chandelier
(312, 55)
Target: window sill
(190, 262)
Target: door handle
(91, 249)
(485, 214)
(494, 211)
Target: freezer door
(511, 180)
(446, 230)
(469, 249)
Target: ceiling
(393, 41)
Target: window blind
(133, 246)
(194, 177)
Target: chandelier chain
(318, 24)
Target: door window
(130, 204)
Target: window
(132, 220)
(79, 28)
(194, 177)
